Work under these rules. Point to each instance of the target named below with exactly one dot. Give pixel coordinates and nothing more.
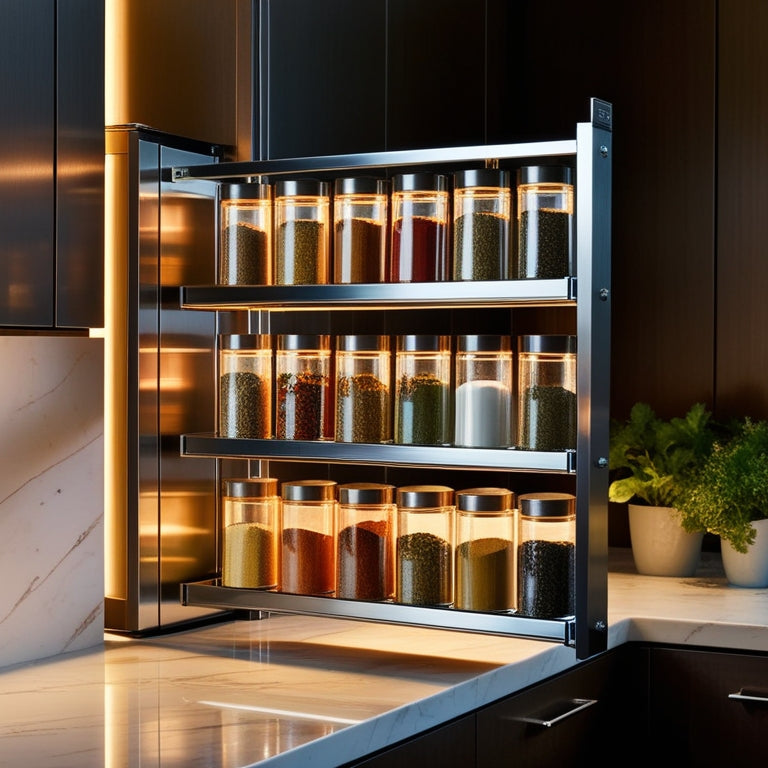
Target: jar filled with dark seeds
(308, 537)
(419, 228)
(481, 225)
(546, 555)
(302, 232)
(245, 235)
(425, 545)
(245, 386)
(250, 535)
(544, 222)
(363, 395)
(423, 390)
(365, 547)
(485, 550)
(360, 207)
(547, 412)
(304, 389)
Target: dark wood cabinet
(52, 156)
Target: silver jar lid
(545, 505)
(484, 500)
(366, 493)
(552, 344)
(424, 496)
(361, 185)
(544, 174)
(483, 343)
(309, 490)
(419, 182)
(245, 341)
(250, 487)
(246, 191)
(481, 177)
(301, 188)
(362, 343)
(423, 343)
(303, 341)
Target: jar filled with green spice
(360, 207)
(423, 390)
(544, 222)
(547, 412)
(546, 555)
(245, 386)
(304, 389)
(485, 550)
(245, 234)
(482, 202)
(250, 534)
(363, 394)
(425, 545)
(302, 232)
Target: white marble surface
(51, 496)
(300, 690)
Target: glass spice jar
(425, 545)
(546, 393)
(485, 550)
(365, 546)
(245, 234)
(245, 386)
(544, 222)
(363, 395)
(304, 390)
(302, 232)
(360, 207)
(422, 390)
(250, 516)
(546, 555)
(419, 228)
(483, 399)
(482, 202)
(308, 537)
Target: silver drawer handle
(578, 705)
(747, 695)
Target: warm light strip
(281, 712)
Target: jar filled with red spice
(308, 537)
(365, 550)
(419, 241)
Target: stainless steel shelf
(206, 444)
(486, 293)
(211, 593)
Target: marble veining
(51, 496)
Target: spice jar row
(428, 545)
(416, 227)
(437, 392)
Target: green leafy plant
(653, 460)
(730, 490)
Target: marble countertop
(300, 690)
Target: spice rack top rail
(486, 153)
(490, 293)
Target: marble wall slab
(51, 496)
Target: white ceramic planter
(748, 569)
(660, 545)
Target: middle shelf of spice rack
(211, 593)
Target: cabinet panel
(692, 715)
(508, 732)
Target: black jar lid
(304, 341)
(250, 487)
(366, 493)
(419, 182)
(362, 343)
(360, 185)
(424, 496)
(544, 174)
(244, 341)
(423, 343)
(484, 500)
(552, 344)
(483, 343)
(251, 191)
(309, 490)
(301, 187)
(481, 177)
(547, 504)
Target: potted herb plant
(729, 498)
(653, 461)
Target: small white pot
(660, 545)
(748, 569)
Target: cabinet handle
(745, 694)
(576, 706)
